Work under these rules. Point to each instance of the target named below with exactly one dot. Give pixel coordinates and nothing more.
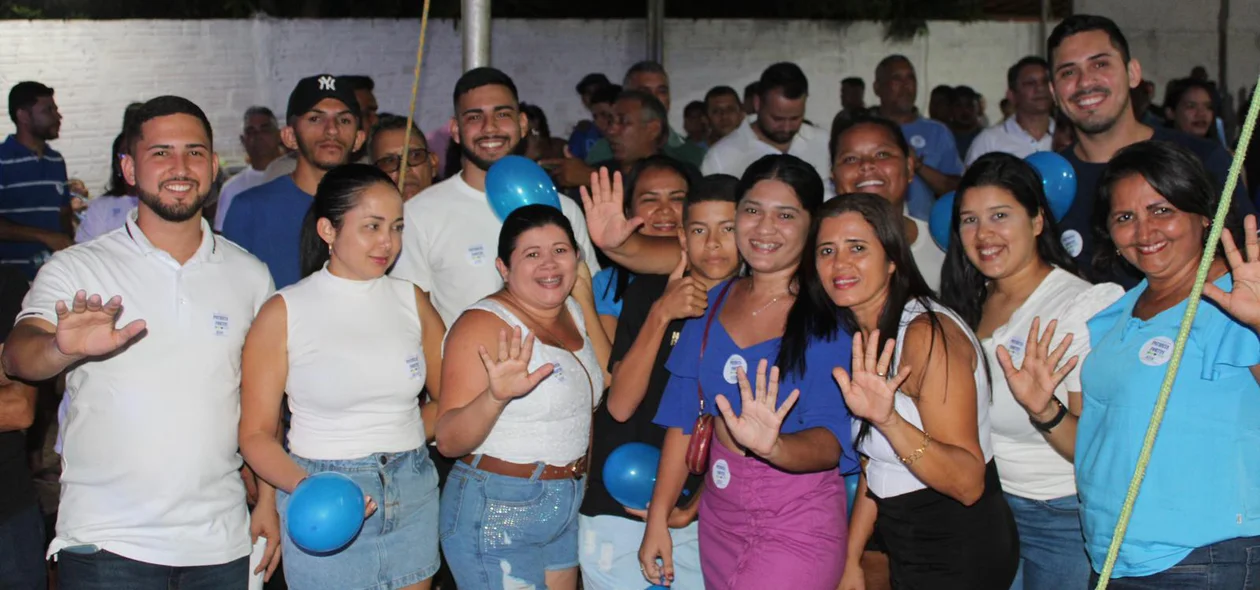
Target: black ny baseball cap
(309, 91)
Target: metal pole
(475, 20)
(656, 31)
(1222, 49)
(1043, 28)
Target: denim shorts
(398, 545)
(502, 532)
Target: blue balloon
(325, 512)
(630, 474)
(658, 587)
(850, 488)
(516, 181)
(1059, 180)
(940, 218)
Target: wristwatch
(1058, 417)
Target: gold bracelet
(917, 454)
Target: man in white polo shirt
(1031, 129)
(452, 234)
(779, 128)
(150, 320)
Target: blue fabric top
(32, 193)
(583, 139)
(820, 405)
(605, 286)
(1202, 484)
(934, 144)
(267, 221)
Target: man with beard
(150, 320)
(449, 246)
(779, 128)
(1031, 129)
(323, 127)
(1092, 73)
(34, 204)
(939, 167)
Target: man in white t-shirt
(150, 320)
(452, 235)
(261, 140)
(1031, 129)
(779, 128)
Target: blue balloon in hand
(1058, 178)
(940, 218)
(325, 512)
(630, 474)
(516, 181)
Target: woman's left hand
(757, 426)
(1243, 302)
(869, 392)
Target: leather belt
(574, 470)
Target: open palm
(757, 426)
(1243, 301)
(509, 373)
(868, 391)
(1034, 382)
(86, 327)
(605, 211)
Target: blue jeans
(86, 567)
(22, 565)
(501, 532)
(1051, 545)
(1228, 565)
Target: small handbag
(702, 435)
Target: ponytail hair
(338, 193)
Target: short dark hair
(653, 109)
(888, 61)
(24, 95)
(853, 81)
(1177, 88)
(692, 107)
(483, 76)
(752, 89)
(358, 82)
(1012, 73)
(712, 188)
(717, 91)
(592, 82)
(962, 93)
(162, 106)
(528, 217)
(259, 110)
(646, 66)
(1084, 23)
(388, 122)
(893, 129)
(785, 77)
(606, 94)
(537, 119)
(944, 90)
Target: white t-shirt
(732, 154)
(927, 255)
(451, 241)
(1010, 138)
(1028, 465)
(149, 464)
(241, 182)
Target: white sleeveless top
(886, 476)
(356, 367)
(552, 423)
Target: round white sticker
(918, 142)
(733, 365)
(1072, 242)
(721, 474)
(1156, 351)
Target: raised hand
(757, 426)
(509, 372)
(1034, 382)
(869, 392)
(86, 328)
(1243, 302)
(684, 297)
(605, 211)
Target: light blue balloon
(325, 512)
(940, 218)
(850, 488)
(517, 181)
(630, 474)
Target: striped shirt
(32, 193)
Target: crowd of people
(759, 297)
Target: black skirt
(934, 542)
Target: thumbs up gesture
(684, 296)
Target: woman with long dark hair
(108, 211)
(1008, 276)
(352, 348)
(773, 511)
(920, 406)
(1189, 108)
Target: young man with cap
(323, 128)
(150, 320)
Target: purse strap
(704, 339)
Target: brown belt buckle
(578, 469)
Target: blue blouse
(820, 403)
(604, 285)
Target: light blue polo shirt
(604, 284)
(1202, 484)
(934, 144)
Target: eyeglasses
(415, 157)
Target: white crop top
(552, 423)
(886, 476)
(356, 367)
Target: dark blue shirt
(267, 221)
(583, 139)
(32, 193)
(820, 405)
